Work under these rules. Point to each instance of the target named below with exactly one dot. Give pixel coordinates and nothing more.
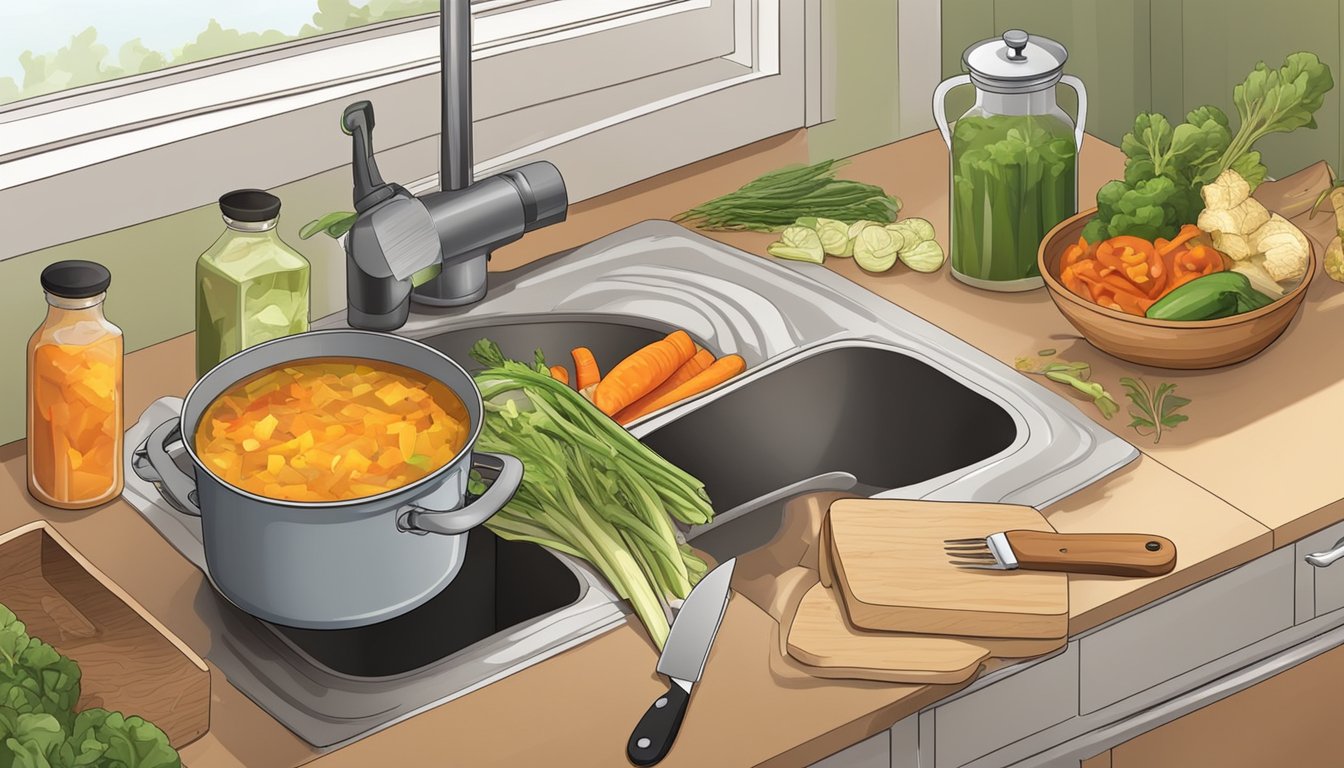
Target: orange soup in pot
(331, 429)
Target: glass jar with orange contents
(74, 392)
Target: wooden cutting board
(820, 637)
(888, 566)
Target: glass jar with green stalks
(1014, 159)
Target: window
(611, 91)
(56, 45)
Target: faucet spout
(455, 153)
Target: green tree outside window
(85, 61)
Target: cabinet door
(1291, 719)
(1010, 709)
(1226, 614)
(874, 752)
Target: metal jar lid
(1015, 63)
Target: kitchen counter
(1250, 471)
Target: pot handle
(508, 472)
(152, 462)
(940, 105)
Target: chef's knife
(683, 660)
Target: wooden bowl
(1188, 345)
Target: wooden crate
(130, 662)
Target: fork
(1108, 554)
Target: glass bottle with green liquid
(250, 286)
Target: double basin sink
(843, 391)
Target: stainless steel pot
(330, 565)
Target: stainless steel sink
(519, 337)
(886, 418)
(844, 391)
(852, 416)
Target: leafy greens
(34, 677)
(1166, 166)
(39, 689)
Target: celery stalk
(589, 488)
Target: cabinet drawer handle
(1323, 559)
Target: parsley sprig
(1154, 410)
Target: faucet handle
(542, 190)
(358, 114)
(370, 189)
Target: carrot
(633, 377)
(559, 373)
(1137, 261)
(1188, 232)
(585, 367)
(702, 360)
(720, 371)
(1075, 253)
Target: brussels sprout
(859, 226)
(875, 248)
(798, 244)
(913, 231)
(927, 256)
(905, 238)
(1334, 260)
(834, 235)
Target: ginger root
(1334, 252)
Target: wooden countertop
(1249, 471)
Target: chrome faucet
(433, 249)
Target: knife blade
(683, 662)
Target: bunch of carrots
(665, 372)
(1130, 274)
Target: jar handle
(940, 106)
(1077, 86)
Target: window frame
(761, 82)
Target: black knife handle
(657, 729)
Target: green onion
(779, 198)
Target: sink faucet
(433, 249)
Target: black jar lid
(250, 205)
(76, 279)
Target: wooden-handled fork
(1108, 554)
